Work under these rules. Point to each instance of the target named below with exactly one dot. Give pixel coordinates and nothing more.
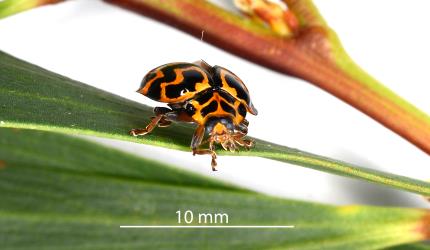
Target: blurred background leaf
(11, 7)
(31, 97)
(60, 192)
(414, 246)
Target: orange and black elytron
(212, 97)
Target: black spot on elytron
(151, 74)
(231, 81)
(227, 96)
(242, 110)
(216, 77)
(204, 96)
(191, 78)
(154, 91)
(212, 107)
(227, 108)
(241, 92)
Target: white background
(111, 48)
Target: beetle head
(221, 131)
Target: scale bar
(176, 226)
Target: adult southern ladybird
(210, 96)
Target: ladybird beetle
(212, 97)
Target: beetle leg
(244, 143)
(196, 142)
(224, 145)
(159, 119)
(179, 116)
(238, 134)
(243, 128)
(164, 122)
(231, 145)
(147, 129)
(238, 138)
(198, 137)
(207, 152)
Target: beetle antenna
(202, 63)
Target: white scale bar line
(175, 226)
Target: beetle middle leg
(159, 119)
(197, 141)
(238, 138)
(243, 127)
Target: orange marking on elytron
(219, 112)
(178, 80)
(149, 83)
(239, 118)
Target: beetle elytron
(212, 97)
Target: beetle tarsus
(154, 122)
(207, 152)
(248, 144)
(137, 132)
(213, 164)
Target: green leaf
(60, 192)
(31, 97)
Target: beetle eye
(190, 109)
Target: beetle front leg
(197, 141)
(209, 151)
(238, 138)
(242, 127)
(139, 131)
(159, 120)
